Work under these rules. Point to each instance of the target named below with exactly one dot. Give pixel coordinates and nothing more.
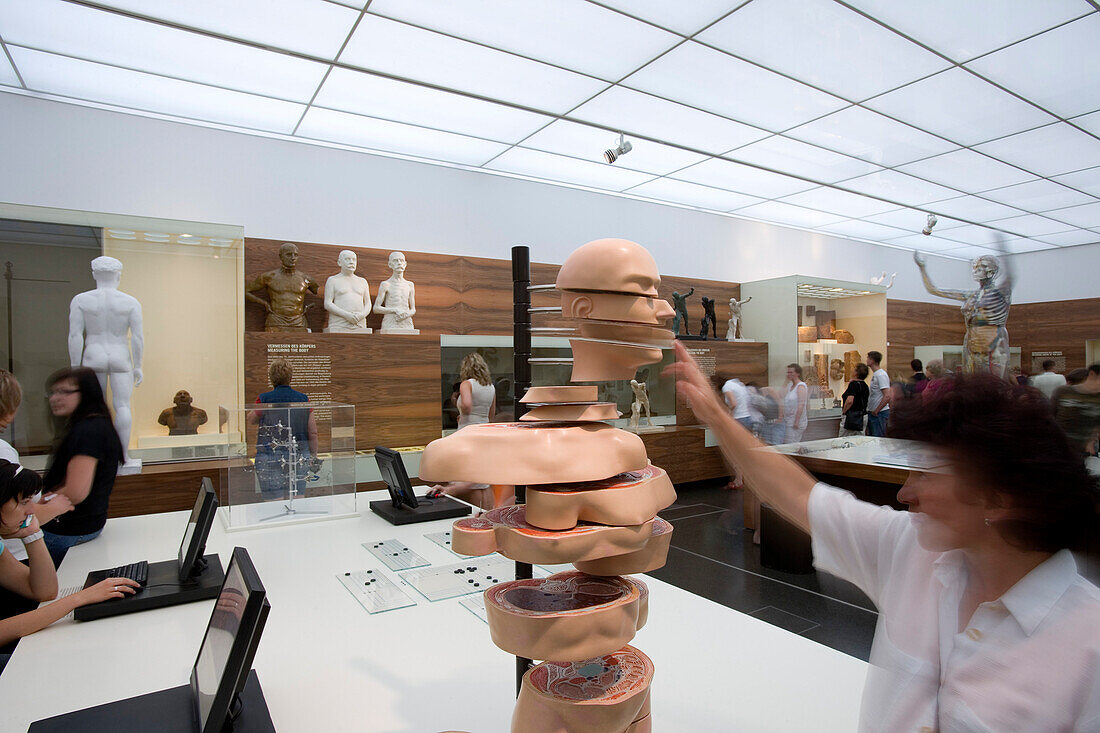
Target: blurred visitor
(794, 405)
(919, 380)
(1077, 411)
(737, 398)
(984, 623)
(878, 400)
(853, 417)
(286, 440)
(1049, 380)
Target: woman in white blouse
(794, 404)
(984, 623)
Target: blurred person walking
(878, 401)
(853, 416)
(794, 405)
(1049, 380)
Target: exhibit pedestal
(405, 331)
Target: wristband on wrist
(33, 537)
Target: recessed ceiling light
(219, 242)
(155, 237)
(121, 234)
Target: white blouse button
(974, 634)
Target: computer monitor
(197, 530)
(229, 644)
(393, 473)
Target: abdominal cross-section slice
(629, 498)
(532, 453)
(566, 617)
(606, 694)
(652, 556)
(505, 530)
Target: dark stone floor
(713, 556)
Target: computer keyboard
(137, 571)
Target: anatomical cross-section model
(591, 501)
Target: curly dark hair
(1008, 446)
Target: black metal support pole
(521, 367)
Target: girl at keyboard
(37, 579)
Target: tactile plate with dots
(443, 539)
(374, 591)
(395, 554)
(473, 575)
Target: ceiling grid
(856, 119)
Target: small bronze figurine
(286, 293)
(679, 303)
(709, 318)
(183, 418)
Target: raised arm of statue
(930, 287)
(137, 341)
(690, 292)
(76, 333)
(746, 300)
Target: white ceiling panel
(1060, 70)
(981, 236)
(1069, 239)
(963, 30)
(1038, 195)
(1047, 151)
(394, 48)
(1087, 216)
(686, 18)
(1090, 122)
(714, 81)
(864, 230)
(1019, 246)
(394, 137)
(567, 170)
(742, 178)
(973, 208)
(588, 143)
(312, 27)
(969, 252)
(959, 106)
(839, 202)
(925, 244)
(7, 73)
(899, 187)
(793, 156)
(93, 35)
(855, 60)
(967, 171)
(782, 213)
(1086, 180)
(872, 137)
(376, 96)
(644, 114)
(911, 220)
(1030, 225)
(45, 72)
(569, 33)
(692, 194)
(358, 4)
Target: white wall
(75, 157)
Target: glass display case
(497, 352)
(296, 464)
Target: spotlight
(932, 221)
(615, 153)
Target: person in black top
(84, 463)
(36, 580)
(855, 403)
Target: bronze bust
(182, 418)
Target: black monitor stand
(162, 589)
(426, 510)
(165, 711)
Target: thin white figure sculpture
(347, 297)
(396, 299)
(733, 330)
(641, 401)
(105, 336)
(880, 279)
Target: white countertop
(326, 664)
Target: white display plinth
(186, 441)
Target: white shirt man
(1048, 381)
(737, 397)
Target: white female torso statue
(105, 336)
(347, 298)
(396, 299)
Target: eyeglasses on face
(61, 391)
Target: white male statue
(641, 402)
(396, 299)
(105, 336)
(347, 297)
(733, 329)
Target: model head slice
(106, 270)
(347, 261)
(288, 255)
(397, 262)
(984, 268)
(610, 265)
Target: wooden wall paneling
(748, 361)
(392, 380)
(683, 455)
(164, 487)
(1058, 326)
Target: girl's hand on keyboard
(107, 589)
